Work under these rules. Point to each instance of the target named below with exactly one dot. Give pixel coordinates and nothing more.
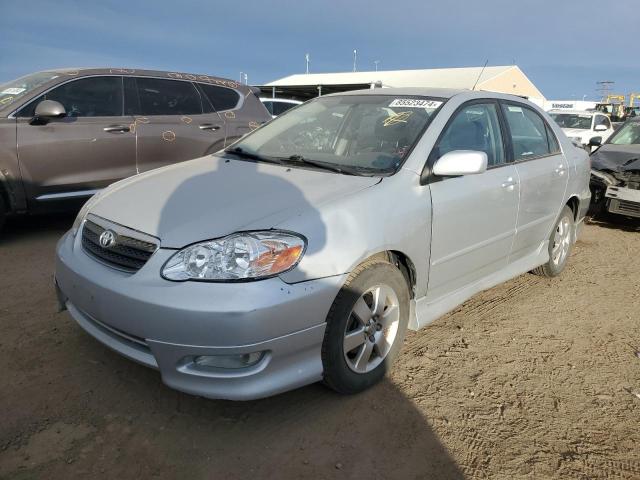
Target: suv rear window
(167, 97)
(220, 97)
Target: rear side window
(85, 97)
(475, 127)
(220, 97)
(167, 97)
(602, 120)
(280, 107)
(528, 132)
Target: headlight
(241, 256)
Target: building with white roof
(504, 79)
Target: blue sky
(564, 46)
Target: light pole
(355, 58)
(246, 79)
(241, 77)
(306, 58)
(376, 62)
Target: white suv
(583, 126)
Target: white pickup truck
(587, 128)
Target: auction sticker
(12, 91)
(415, 103)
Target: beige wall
(513, 82)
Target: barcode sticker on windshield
(415, 103)
(12, 91)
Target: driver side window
(475, 127)
(85, 97)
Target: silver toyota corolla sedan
(305, 250)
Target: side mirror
(600, 128)
(50, 109)
(460, 162)
(595, 142)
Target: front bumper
(164, 324)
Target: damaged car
(615, 173)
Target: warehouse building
(505, 79)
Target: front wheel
(560, 243)
(365, 327)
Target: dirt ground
(535, 378)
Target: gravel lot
(535, 378)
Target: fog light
(242, 360)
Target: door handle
(117, 128)
(509, 183)
(209, 126)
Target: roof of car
(204, 78)
(574, 112)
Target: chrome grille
(623, 207)
(129, 251)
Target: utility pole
(355, 58)
(376, 62)
(246, 79)
(241, 77)
(307, 58)
(604, 88)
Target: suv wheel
(365, 327)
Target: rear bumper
(164, 325)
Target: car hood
(617, 158)
(214, 196)
(575, 132)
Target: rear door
(474, 216)
(543, 174)
(171, 122)
(87, 150)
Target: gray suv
(66, 134)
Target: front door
(87, 150)
(473, 216)
(172, 122)
(543, 174)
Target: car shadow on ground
(26, 227)
(111, 418)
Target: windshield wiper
(323, 165)
(239, 152)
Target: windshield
(629, 134)
(12, 91)
(572, 120)
(367, 134)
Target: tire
(375, 346)
(560, 243)
(3, 212)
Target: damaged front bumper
(616, 193)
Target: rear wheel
(560, 243)
(365, 327)
(3, 211)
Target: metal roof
(457, 78)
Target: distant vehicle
(277, 106)
(583, 127)
(305, 250)
(65, 134)
(615, 172)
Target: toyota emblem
(107, 239)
